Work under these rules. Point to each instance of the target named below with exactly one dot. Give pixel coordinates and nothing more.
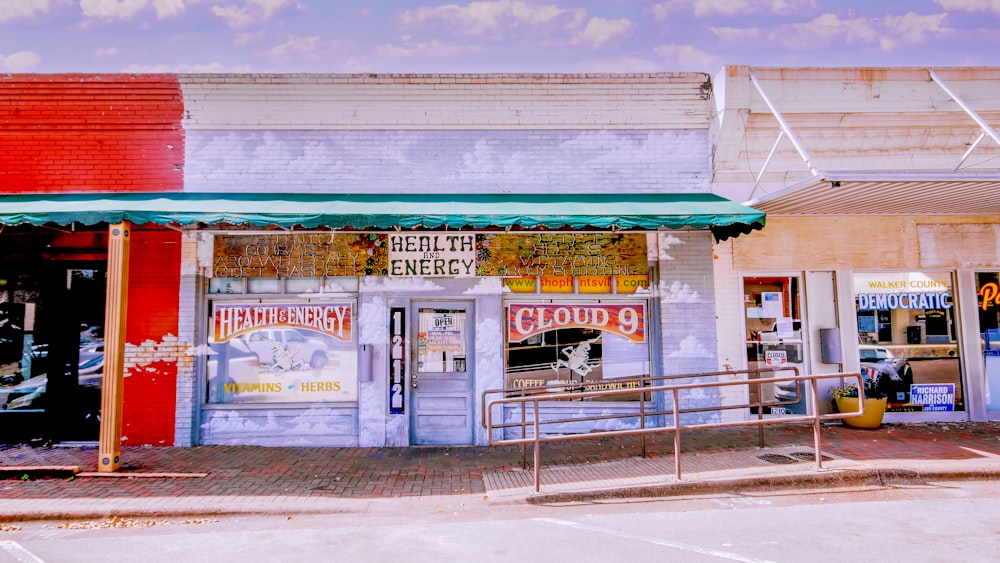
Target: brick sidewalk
(360, 473)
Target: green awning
(388, 211)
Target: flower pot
(874, 410)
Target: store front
(407, 330)
(908, 340)
(52, 286)
(988, 292)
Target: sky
(488, 36)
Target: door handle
(413, 381)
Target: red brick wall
(76, 132)
(152, 350)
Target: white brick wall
(188, 318)
(453, 101)
(729, 325)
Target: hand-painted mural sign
(282, 352)
(299, 255)
(552, 256)
(562, 254)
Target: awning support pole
(784, 126)
(113, 381)
(987, 129)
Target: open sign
(444, 322)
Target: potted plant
(846, 398)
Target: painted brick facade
(579, 161)
(153, 354)
(109, 133)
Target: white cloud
(736, 34)
(705, 8)
(111, 9)
(214, 68)
(426, 49)
(824, 30)
(600, 31)
(913, 28)
(252, 11)
(296, 45)
(109, 52)
(16, 9)
(817, 33)
(495, 19)
(168, 8)
(243, 39)
(235, 16)
(970, 5)
(20, 61)
(690, 347)
(685, 57)
(623, 64)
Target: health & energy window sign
(282, 353)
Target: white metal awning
(886, 193)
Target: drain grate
(777, 459)
(808, 456)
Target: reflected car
(885, 362)
(284, 349)
(894, 373)
(91, 366)
(242, 367)
(30, 394)
(90, 350)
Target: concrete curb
(837, 478)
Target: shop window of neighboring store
(988, 288)
(26, 347)
(565, 346)
(908, 340)
(774, 340)
(298, 345)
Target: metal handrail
(648, 384)
(536, 425)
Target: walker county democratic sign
(429, 254)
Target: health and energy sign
(236, 319)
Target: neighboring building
(882, 190)
(350, 259)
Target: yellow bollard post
(113, 382)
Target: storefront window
(576, 346)
(774, 340)
(988, 287)
(441, 341)
(907, 339)
(282, 353)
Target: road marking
(15, 550)
(656, 541)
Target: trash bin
(913, 334)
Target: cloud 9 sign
(627, 320)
